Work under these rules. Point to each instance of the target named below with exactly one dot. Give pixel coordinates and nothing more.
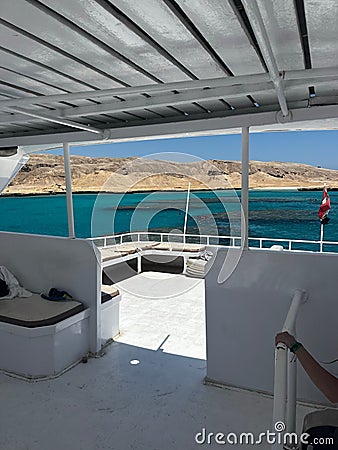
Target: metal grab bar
(285, 382)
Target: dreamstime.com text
(279, 436)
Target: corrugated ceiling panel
(280, 21)
(56, 33)
(4, 97)
(218, 23)
(28, 83)
(27, 47)
(12, 91)
(40, 73)
(161, 24)
(322, 24)
(103, 25)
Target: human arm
(324, 380)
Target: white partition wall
(73, 265)
(244, 313)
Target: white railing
(285, 381)
(212, 240)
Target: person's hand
(285, 338)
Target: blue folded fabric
(57, 296)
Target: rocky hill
(45, 174)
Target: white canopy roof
(87, 70)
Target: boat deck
(159, 403)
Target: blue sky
(318, 148)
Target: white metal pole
(69, 193)
(281, 368)
(186, 211)
(292, 397)
(289, 324)
(322, 230)
(321, 237)
(245, 187)
(279, 388)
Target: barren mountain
(45, 174)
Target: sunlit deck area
(165, 312)
(113, 403)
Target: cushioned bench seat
(110, 289)
(35, 311)
(129, 248)
(180, 247)
(111, 253)
(108, 292)
(133, 247)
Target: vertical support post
(245, 187)
(186, 212)
(69, 193)
(139, 263)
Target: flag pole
(321, 231)
(321, 237)
(186, 212)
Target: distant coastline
(48, 194)
(44, 175)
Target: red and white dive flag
(324, 207)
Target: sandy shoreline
(47, 194)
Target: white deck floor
(158, 404)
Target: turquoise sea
(274, 214)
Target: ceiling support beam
(168, 99)
(148, 88)
(62, 115)
(55, 119)
(185, 126)
(315, 75)
(261, 34)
